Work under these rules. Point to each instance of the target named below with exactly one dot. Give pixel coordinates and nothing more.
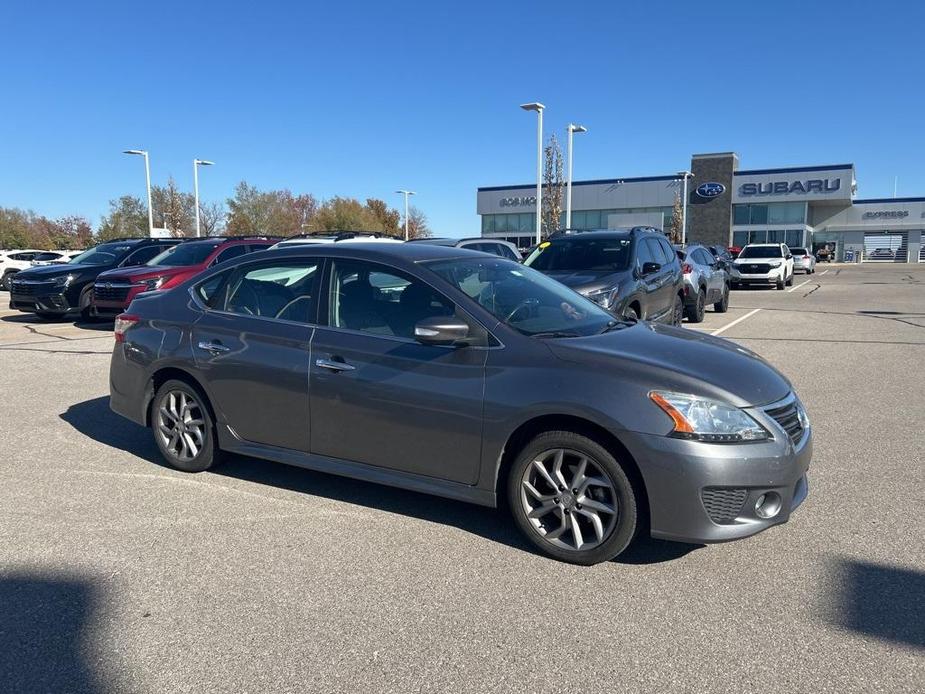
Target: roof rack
(243, 237)
(337, 235)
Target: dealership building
(803, 206)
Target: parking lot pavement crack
(32, 330)
(817, 287)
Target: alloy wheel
(181, 425)
(569, 499)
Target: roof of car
(408, 252)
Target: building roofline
(868, 201)
(793, 169)
(600, 181)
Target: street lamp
(144, 154)
(685, 175)
(196, 164)
(538, 107)
(572, 129)
(406, 193)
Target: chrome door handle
(214, 347)
(334, 365)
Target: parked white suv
(763, 263)
(340, 237)
(54, 257)
(12, 262)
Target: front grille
(723, 504)
(29, 288)
(789, 419)
(102, 292)
(755, 268)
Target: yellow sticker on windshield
(544, 244)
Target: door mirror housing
(441, 330)
(649, 268)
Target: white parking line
(735, 322)
(793, 289)
(823, 272)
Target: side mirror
(789, 256)
(441, 330)
(649, 268)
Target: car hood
(756, 261)
(679, 359)
(48, 272)
(142, 272)
(584, 281)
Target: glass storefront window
(786, 213)
(794, 238)
(740, 214)
(739, 238)
(757, 214)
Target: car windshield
(103, 254)
(184, 254)
(594, 255)
(761, 252)
(527, 300)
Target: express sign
(813, 185)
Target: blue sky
(359, 99)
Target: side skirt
(393, 478)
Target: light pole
(538, 107)
(572, 129)
(144, 153)
(196, 164)
(406, 193)
(685, 175)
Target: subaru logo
(710, 190)
(109, 285)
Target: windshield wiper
(555, 333)
(616, 325)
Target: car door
(378, 396)
(711, 278)
(252, 346)
(662, 280)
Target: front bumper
(42, 300)
(686, 478)
(773, 277)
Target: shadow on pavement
(94, 419)
(44, 620)
(885, 602)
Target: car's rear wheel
(572, 499)
(183, 427)
(695, 312)
(678, 311)
(722, 305)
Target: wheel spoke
(595, 522)
(557, 468)
(593, 482)
(167, 413)
(576, 531)
(190, 445)
(541, 511)
(579, 475)
(555, 534)
(534, 492)
(595, 505)
(544, 473)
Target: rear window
(798, 251)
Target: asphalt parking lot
(119, 574)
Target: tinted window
(761, 252)
(527, 300)
(667, 251)
(207, 290)
(798, 251)
(103, 254)
(285, 290)
(230, 252)
(602, 255)
(23, 256)
(381, 301)
(47, 256)
(143, 255)
(649, 252)
(702, 257)
(184, 254)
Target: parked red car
(114, 290)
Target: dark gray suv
(633, 273)
(459, 374)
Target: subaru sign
(710, 190)
(813, 185)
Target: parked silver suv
(471, 377)
(706, 281)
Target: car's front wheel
(183, 427)
(695, 312)
(572, 499)
(722, 305)
(6, 282)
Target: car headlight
(775, 263)
(605, 298)
(701, 419)
(152, 284)
(63, 280)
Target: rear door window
(284, 290)
(230, 253)
(143, 255)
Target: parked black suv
(633, 273)
(54, 291)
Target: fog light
(767, 505)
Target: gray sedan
(471, 377)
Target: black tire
(6, 281)
(678, 312)
(780, 284)
(208, 453)
(790, 280)
(695, 311)
(624, 526)
(722, 305)
(629, 313)
(86, 299)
